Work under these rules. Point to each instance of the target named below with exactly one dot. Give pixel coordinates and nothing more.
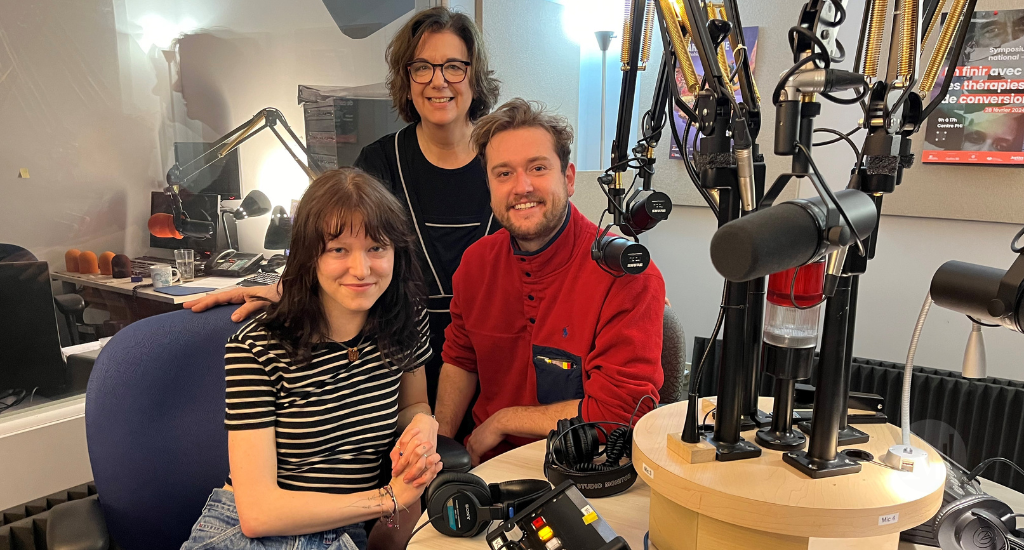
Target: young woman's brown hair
(403, 47)
(332, 204)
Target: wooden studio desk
(753, 496)
(763, 503)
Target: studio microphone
(162, 225)
(644, 209)
(787, 235)
(987, 294)
(168, 226)
(620, 255)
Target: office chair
(154, 415)
(673, 359)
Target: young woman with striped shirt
(321, 385)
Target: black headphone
(572, 449)
(977, 522)
(463, 505)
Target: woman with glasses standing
(440, 84)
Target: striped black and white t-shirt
(335, 420)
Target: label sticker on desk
(889, 520)
(648, 471)
(589, 515)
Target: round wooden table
(764, 503)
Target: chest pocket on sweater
(559, 375)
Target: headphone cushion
(588, 442)
(522, 488)
(567, 442)
(472, 483)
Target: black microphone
(193, 228)
(790, 234)
(644, 209)
(620, 255)
(987, 294)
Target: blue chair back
(154, 414)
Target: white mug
(163, 275)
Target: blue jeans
(218, 528)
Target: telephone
(229, 263)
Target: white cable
(908, 372)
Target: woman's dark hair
(333, 203)
(402, 49)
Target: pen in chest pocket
(560, 363)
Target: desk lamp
(279, 232)
(254, 204)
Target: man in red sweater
(547, 332)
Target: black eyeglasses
(453, 72)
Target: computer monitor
(30, 357)
(198, 207)
(221, 177)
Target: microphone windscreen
(162, 225)
(966, 288)
(71, 260)
(121, 266)
(104, 263)
(765, 242)
(87, 263)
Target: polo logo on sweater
(565, 332)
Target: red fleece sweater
(551, 326)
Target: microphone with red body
(162, 225)
(168, 226)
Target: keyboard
(260, 279)
(141, 265)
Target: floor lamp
(604, 40)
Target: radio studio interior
(514, 274)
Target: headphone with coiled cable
(574, 446)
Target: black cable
(865, 90)
(637, 409)
(824, 187)
(841, 10)
(835, 140)
(426, 523)
(706, 415)
(792, 293)
(973, 320)
(988, 462)
(1016, 238)
(856, 150)
(698, 372)
(694, 177)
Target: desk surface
(125, 286)
(627, 513)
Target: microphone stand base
(761, 419)
(727, 452)
(818, 469)
(780, 441)
(852, 436)
(847, 436)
